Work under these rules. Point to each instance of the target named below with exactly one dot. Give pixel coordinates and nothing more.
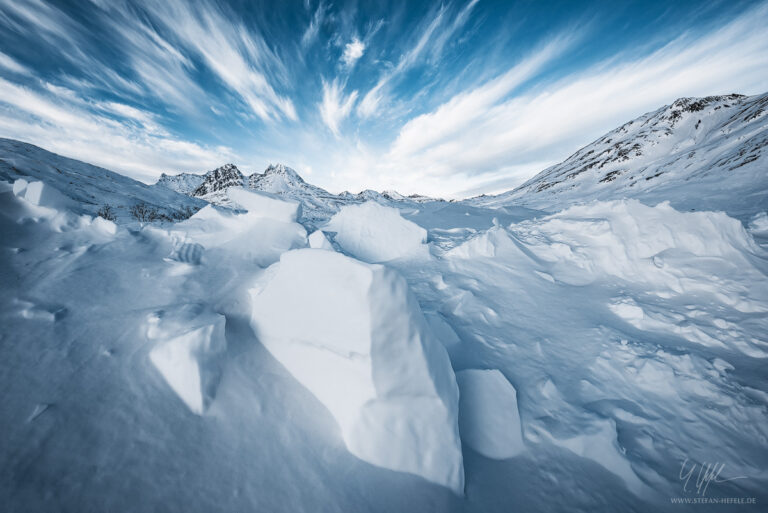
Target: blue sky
(443, 98)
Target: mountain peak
(219, 179)
(282, 169)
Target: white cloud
(352, 52)
(68, 124)
(335, 107)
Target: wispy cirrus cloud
(335, 106)
(433, 33)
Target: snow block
(489, 421)
(375, 233)
(318, 240)
(262, 205)
(189, 352)
(42, 195)
(354, 336)
(19, 187)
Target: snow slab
(249, 236)
(262, 205)
(353, 334)
(489, 420)
(189, 348)
(375, 233)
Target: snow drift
(353, 334)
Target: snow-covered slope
(90, 187)
(699, 153)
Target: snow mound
(261, 205)
(189, 350)
(490, 243)
(353, 334)
(318, 240)
(657, 247)
(488, 416)
(375, 233)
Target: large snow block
(375, 233)
(40, 194)
(489, 421)
(189, 351)
(353, 334)
(263, 205)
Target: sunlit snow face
(441, 98)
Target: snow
(218, 363)
(189, 347)
(375, 233)
(489, 420)
(354, 336)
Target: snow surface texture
(375, 233)
(353, 334)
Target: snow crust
(354, 336)
(375, 233)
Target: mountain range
(698, 153)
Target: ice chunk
(353, 334)
(375, 233)
(262, 205)
(489, 421)
(189, 351)
(318, 240)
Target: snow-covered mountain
(220, 179)
(318, 205)
(90, 187)
(699, 153)
(184, 183)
